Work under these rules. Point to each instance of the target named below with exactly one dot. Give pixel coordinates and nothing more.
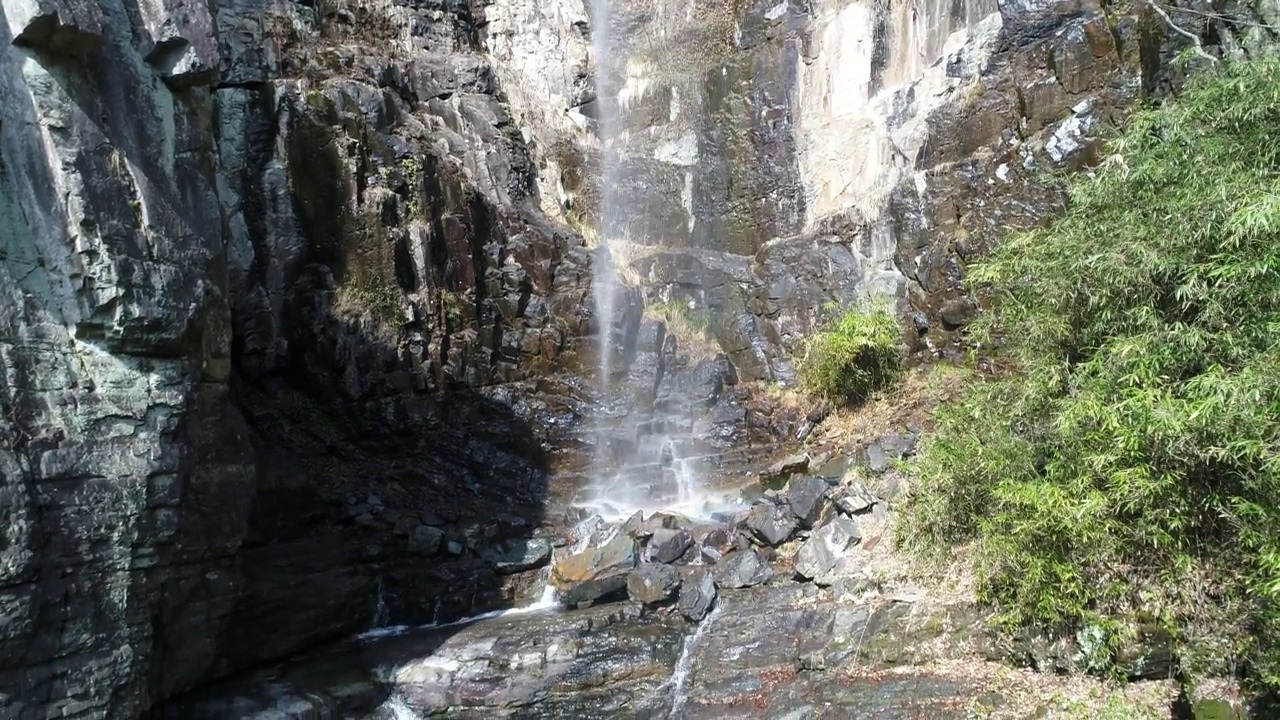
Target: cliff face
(289, 317)
(782, 155)
(271, 273)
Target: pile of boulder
(670, 563)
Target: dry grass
(692, 333)
(910, 402)
(1000, 692)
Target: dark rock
(427, 539)
(786, 467)
(740, 569)
(806, 496)
(881, 454)
(668, 545)
(520, 556)
(820, 552)
(697, 594)
(771, 524)
(652, 583)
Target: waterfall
(605, 279)
(654, 466)
(381, 615)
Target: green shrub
(1126, 470)
(858, 355)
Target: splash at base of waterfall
(662, 481)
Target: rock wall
(781, 156)
(279, 313)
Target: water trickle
(381, 615)
(685, 664)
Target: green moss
(1128, 459)
(380, 299)
(453, 307)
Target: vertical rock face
(784, 155)
(272, 276)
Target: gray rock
(806, 497)
(821, 551)
(520, 556)
(786, 467)
(652, 583)
(668, 545)
(740, 569)
(427, 539)
(771, 524)
(855, 500)
(697, 594)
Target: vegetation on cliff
(854, 357)
(1122, 472)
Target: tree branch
(1190, 36)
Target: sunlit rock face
(785, 155)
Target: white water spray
(605, 279)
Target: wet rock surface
(291, 338)
(776, 651)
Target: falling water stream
(658, 471)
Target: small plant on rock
(858, 355)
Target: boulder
(741, 568)
(426, 539)
(667, 545)
(697, 594)
(597, 573)
(652, 583)
(770, 524)
(806, 496)
(825, 547)
(519, 556)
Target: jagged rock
(839, 572)
(652, 583)
(823, 549)
(636, 527)
(521, 556)
(426, 539)
(668, 545)
(741, 568)
(771, 524)
(806, 497)
(855, 500)
(786, 467)
(597, 573)
(697, 594)
(880, 454)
